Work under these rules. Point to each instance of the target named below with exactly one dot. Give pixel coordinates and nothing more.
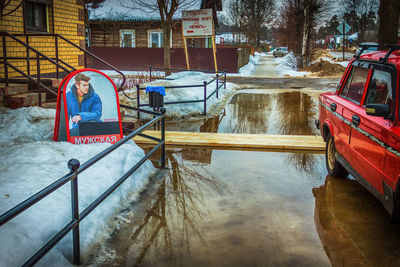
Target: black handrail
(75, 170)
(219, 84)
(30, 78)
(40, 56)
(86, 52)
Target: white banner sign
(197, 22)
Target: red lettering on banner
(95, 139)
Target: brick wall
(64, 17)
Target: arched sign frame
(62, 115)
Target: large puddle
(248, 208)
(252, 208)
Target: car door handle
(355, 120)
(333, 107)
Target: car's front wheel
(335, 169)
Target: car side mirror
(378, 110)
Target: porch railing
(75, 169)
(56, 61)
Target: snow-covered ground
(248, 69)
(214, 105)
(30, 161)
(287, 66)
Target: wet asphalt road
(253, 208)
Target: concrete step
(49, 105)
(23, 100)
(49, 82)
(13, 89)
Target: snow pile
(15, 123)
(247, 70)
(287, 66)
(214, 105)
(30, 161)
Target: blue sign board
(346, 28)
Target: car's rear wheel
(335, 169)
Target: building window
(36, 15)
(155, 39)
(127, 38)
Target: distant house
(227, 38)
(117, 23)
(132, 39)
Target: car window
(380, 88)
(354, 87)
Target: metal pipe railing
(75, 170)
(218, 85)
(40, 56)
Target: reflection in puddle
(288, 113)
(176, 202)
(353, 226)
(248, 113)
(221, 208)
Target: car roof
(394, 58)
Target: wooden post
(215, 53)
(186, 53)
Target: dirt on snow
(321, 67)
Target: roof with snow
(129, 10)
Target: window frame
(45, 6)
(160, 40)
(349, 79)
(149, 38)
(370, 84)
(391, 69)
(121, 37)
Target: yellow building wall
(65, 17)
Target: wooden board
(229, 140)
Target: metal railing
(55, 61)
(75, 169)
(218, 85)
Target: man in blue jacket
(83, 103)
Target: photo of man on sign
(83, 103)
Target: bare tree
(388, 21)
(249, 17)
(359, 13)
(7, 9)
(313, 11)
(290, 25)
(297, 19)
(234, 16)
(167, 10)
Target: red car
(360, 125)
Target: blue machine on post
(156, 96)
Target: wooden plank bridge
(238, 141)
